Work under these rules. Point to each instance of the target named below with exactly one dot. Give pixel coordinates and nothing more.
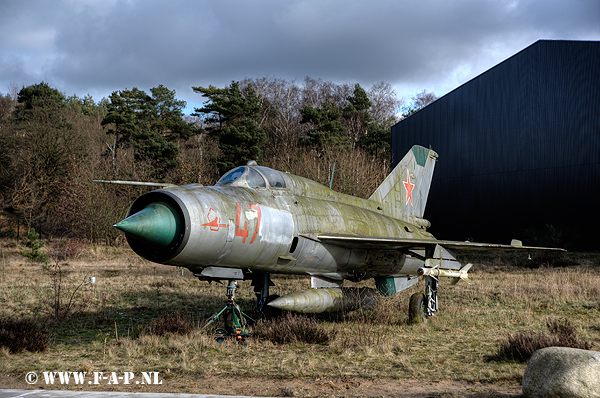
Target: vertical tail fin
(403, 194)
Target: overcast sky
(100, 46)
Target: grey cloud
(102, 46)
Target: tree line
(52, 146)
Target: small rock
(562, 372)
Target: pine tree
(149, 124)
(328, 132)
(233, 116)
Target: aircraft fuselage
(276, 230)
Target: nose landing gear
(234, 320)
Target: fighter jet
(257, 221)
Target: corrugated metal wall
(519, 148)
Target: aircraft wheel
(416, 309)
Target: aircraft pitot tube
(312, 301)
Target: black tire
(416, 309)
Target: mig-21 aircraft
(256, 221)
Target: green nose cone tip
(157, 223)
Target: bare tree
(316, 91)
(419, 101)
(385, 104)
(8, 101)
(280, 101)
(424, 98)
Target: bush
(65, 249)
(521, 346)
(23, 334)
(8, 233)
(174, 323)
(292, 328)
(35, 244)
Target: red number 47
(244, 232)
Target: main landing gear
(422, 306)
(262, 282)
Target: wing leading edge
(391, 243)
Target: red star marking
(215, 223)
(409, 188)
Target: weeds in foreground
(64, 304)
(174, 323)
(376, 342)
(521, 345)
(291, 328)
(23, 334)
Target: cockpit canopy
(254, 177)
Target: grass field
(102, 327)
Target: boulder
(562, 372)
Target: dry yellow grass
(103, 330)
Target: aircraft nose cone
(158, 223)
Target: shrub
(68, 249)
(62, 303)
(521, 346)
(174, 323)
(23, 334)
(8, 233)
(291, 328)
(35, 244)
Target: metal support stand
(234, 320)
